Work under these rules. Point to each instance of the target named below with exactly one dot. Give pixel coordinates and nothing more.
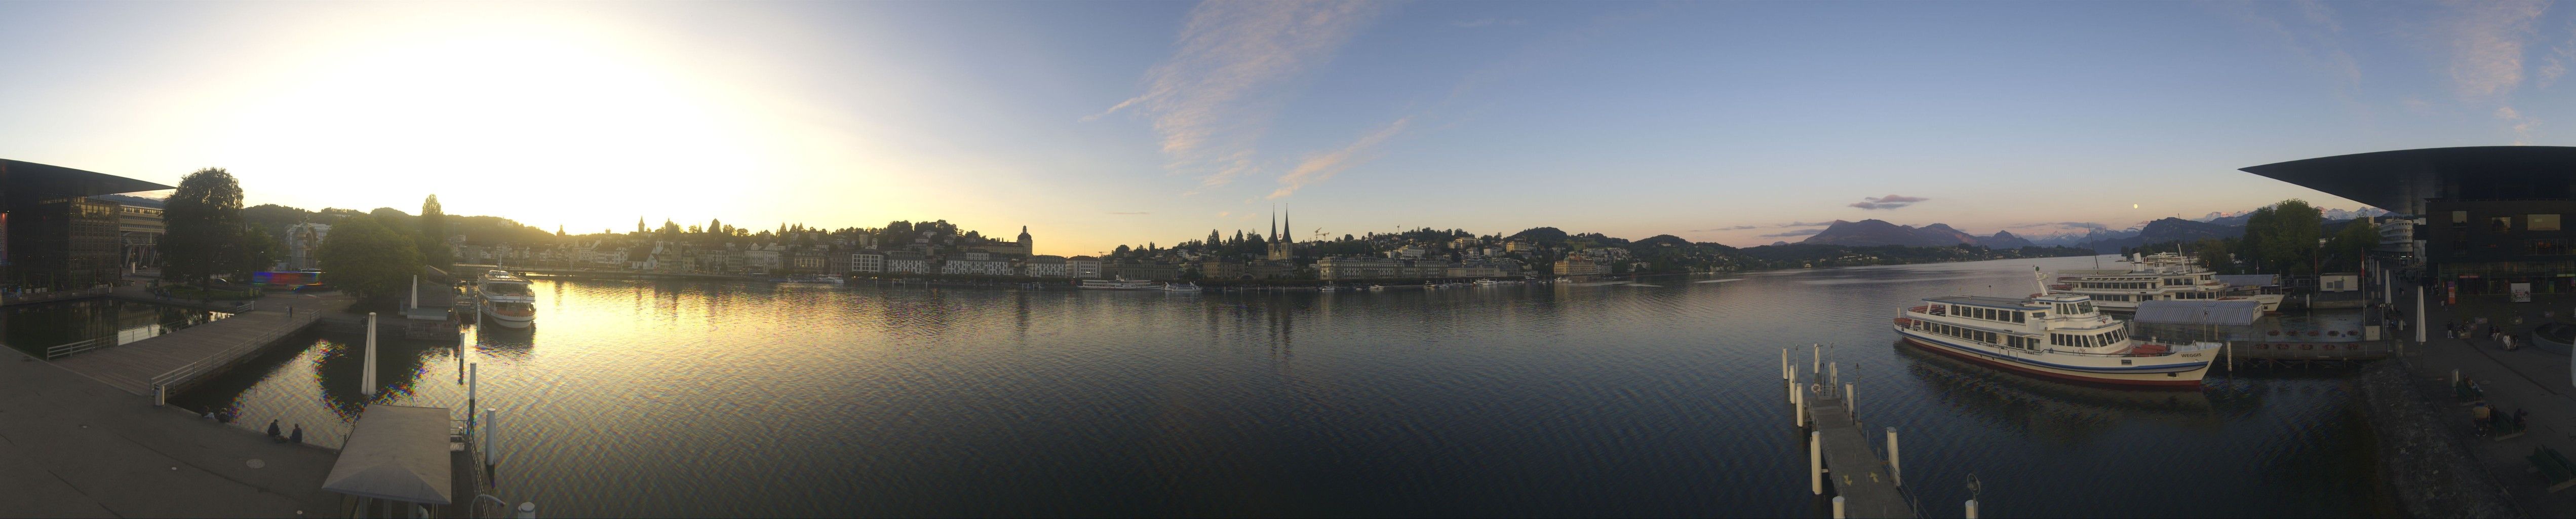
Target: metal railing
(159, 383)
(69, 348)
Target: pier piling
(491, 434)
(1847, 403)
(367, 381)
(1816, 463)
(1895, 468)
(1972, 509)
(1838, 507)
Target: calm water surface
(1663, 399)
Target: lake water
(667, 398)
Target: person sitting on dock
(272, 430)
(296, 437)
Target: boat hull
(506, 321)
(2173, 376)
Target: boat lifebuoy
(2312, 333)
(2332, 333)
(2262, 346)
(2307, 346)
(2352, 346)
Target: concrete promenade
(73, 447)
(130, 367)
(2527, 378)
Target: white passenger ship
(506, 300)
(2055, 336)
(1118, 284)
(2160, 276)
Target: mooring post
(1838, 507)
(1797, 408)
(367, 381)
(1816, 462)
(491, 433)
(1895, 468)
(527, 510)
(160, 395)
(1833, 375)
(474, 373)
(1816, 357)
(2419, 315)
(1848, 407)
(1972, 509)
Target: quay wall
(2423, 461)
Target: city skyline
(1110, 124)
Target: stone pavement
(2527, 378)
(74, 447)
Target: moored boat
(506, 300)
(2060, 336)
(1180, 287)
(2154, 277)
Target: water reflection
(33, 328)
(2057, 412)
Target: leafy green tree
(2345, 250)
(204, 225)
(367, 259)
(2213, 255)
(2285, 235)
(259, 250)
(432, 240)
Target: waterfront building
(1027, 246)
(807, 260)
(1267, 269)
(836, 262)
(1578, 265)
(1408, 252)
(1047, 266)
(2397, 236)
(1343, 269)
(764, 258)
(904, 261)
(1218, 268)
(1145, 271)
(2483, 217)
(304, 245)
(975, 265)
(1082, 267)
(871, 261)
(138, 230)
(1475, 269)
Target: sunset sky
(1103, 123)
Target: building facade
(1082, 267)
(1047, 266)
(869, 261)
(2487, 220)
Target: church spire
(1274, 224)
(1291, 227)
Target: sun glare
(515, 107)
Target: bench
(2553, 467)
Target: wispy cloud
(2554, 64)
(1800, 232)
(2519, 123)
(1322, 167)
(1723, 229)
(1211, 101)
(1129, 212)
(1487, 22)
(2486, 45)
(1887, 202)
(2310, 31)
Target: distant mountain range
(2213, 225)
(1875, 232)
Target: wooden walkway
(131, 367)
(1856, 472)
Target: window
(2547, 247)
(2019, 317)
(2540, 222)
(2500, 224)
(2459, 217)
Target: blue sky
(1104, 123)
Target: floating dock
(1866, 484)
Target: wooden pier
(1864, 482)
(182, 357)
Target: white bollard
(1833, 375)
(1784, 364)
(1797, 409)
(1972, 509)
(1838, 507)
(1816, 357)
(1848, 408)
(1895, 468)
(367, 380)
(526, 511)
(1816, 463)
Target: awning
(397, 453)
(2200, 311)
